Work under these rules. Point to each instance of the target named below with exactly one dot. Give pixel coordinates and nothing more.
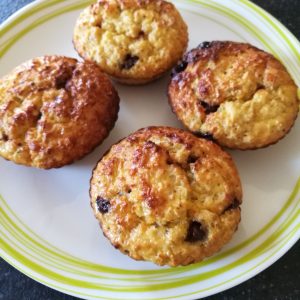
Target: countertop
(281, 281)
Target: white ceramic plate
(48, 230)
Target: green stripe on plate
(280, 245)
(224, 10)
(283, 241)
(66, 260)
(62, 257)
(29, 12)
(76, 6)
(8, 44)
(23, 238)
(269, 19)
(263, 38)
(178, 282)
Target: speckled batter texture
(54, 110)
(166, 196)
(241, 96)
(134, 41)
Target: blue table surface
(281, 281)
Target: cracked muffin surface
(166, 196)
(133, 41)
(54, 110)
(241, 96)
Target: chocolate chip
(39, 116)
(193, 56)
(235, 204)
(103, 205)
(181, 66)
(196, 232)
(4, 137)
(204, 45)
(129, 61)
(61, 80)
(260, 87)
(117, 246)
(192, 159)
(169, 161)
(206, 135)
(209, 108)
(141, 34)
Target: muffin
(240, 96)
(133, 41)
(166, 196)
(54, 110)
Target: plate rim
(279, 254)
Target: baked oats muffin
(166, 196)
(241, 96)
(133, 41)
(54, 110)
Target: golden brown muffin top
(132, 40)
(242, 96)
(54, 110)
(166, 196)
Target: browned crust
(155, 201)
(178, 135)
(146, 73)
(126, 80)
(214, 52)
(65, 109)
(211, 138)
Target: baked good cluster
(165, 195)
